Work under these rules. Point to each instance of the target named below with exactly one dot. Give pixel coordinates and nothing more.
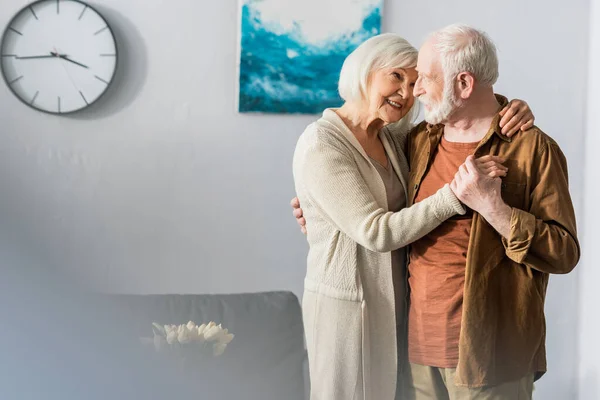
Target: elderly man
(478, 282)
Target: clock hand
(50, 56)
(64, 57)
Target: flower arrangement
(190, 337)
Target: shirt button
(416, 186)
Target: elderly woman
(350, 172)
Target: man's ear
(466, 84)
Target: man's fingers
(295, 202)
(301, 221)
(297, 212)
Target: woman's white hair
(465, 49)
(387, 50)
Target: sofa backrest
(266, 358)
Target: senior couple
(430, 246)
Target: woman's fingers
(488, 158)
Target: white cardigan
(348, 302)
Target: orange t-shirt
(437, 270)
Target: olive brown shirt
(503, 328)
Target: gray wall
(164, 188)
(589, 296)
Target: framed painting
(291, 52)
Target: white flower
(190, 332)
(199, 334)
(184, 335)
(193, 334)
(169, 329)
(218, 349)
(172, 336)
(213, 334)
(226, 338)
(210, 325)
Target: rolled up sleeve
(544, 238)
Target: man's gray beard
(441, 112)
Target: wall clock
(58, 56)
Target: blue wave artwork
(291, 51)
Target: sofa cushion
(265, 359)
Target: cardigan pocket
(334, 331)
(340, 268)
(332, 292)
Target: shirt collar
(494, 129)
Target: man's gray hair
(466, 49)
(387, 50)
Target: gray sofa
(61, 342)
(267, 358)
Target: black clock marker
(9, 55)
(14, 30)
(34, 97)
(58, 103)
(15, 80)
(108, 55)
(101, 30)
(33, 12)
(84, 99)
(58, 6)
(100, 79)
(81, 15)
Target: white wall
(589, 320)
(166, 189)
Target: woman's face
(390, 93)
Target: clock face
(58, 56)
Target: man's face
(437, 96)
